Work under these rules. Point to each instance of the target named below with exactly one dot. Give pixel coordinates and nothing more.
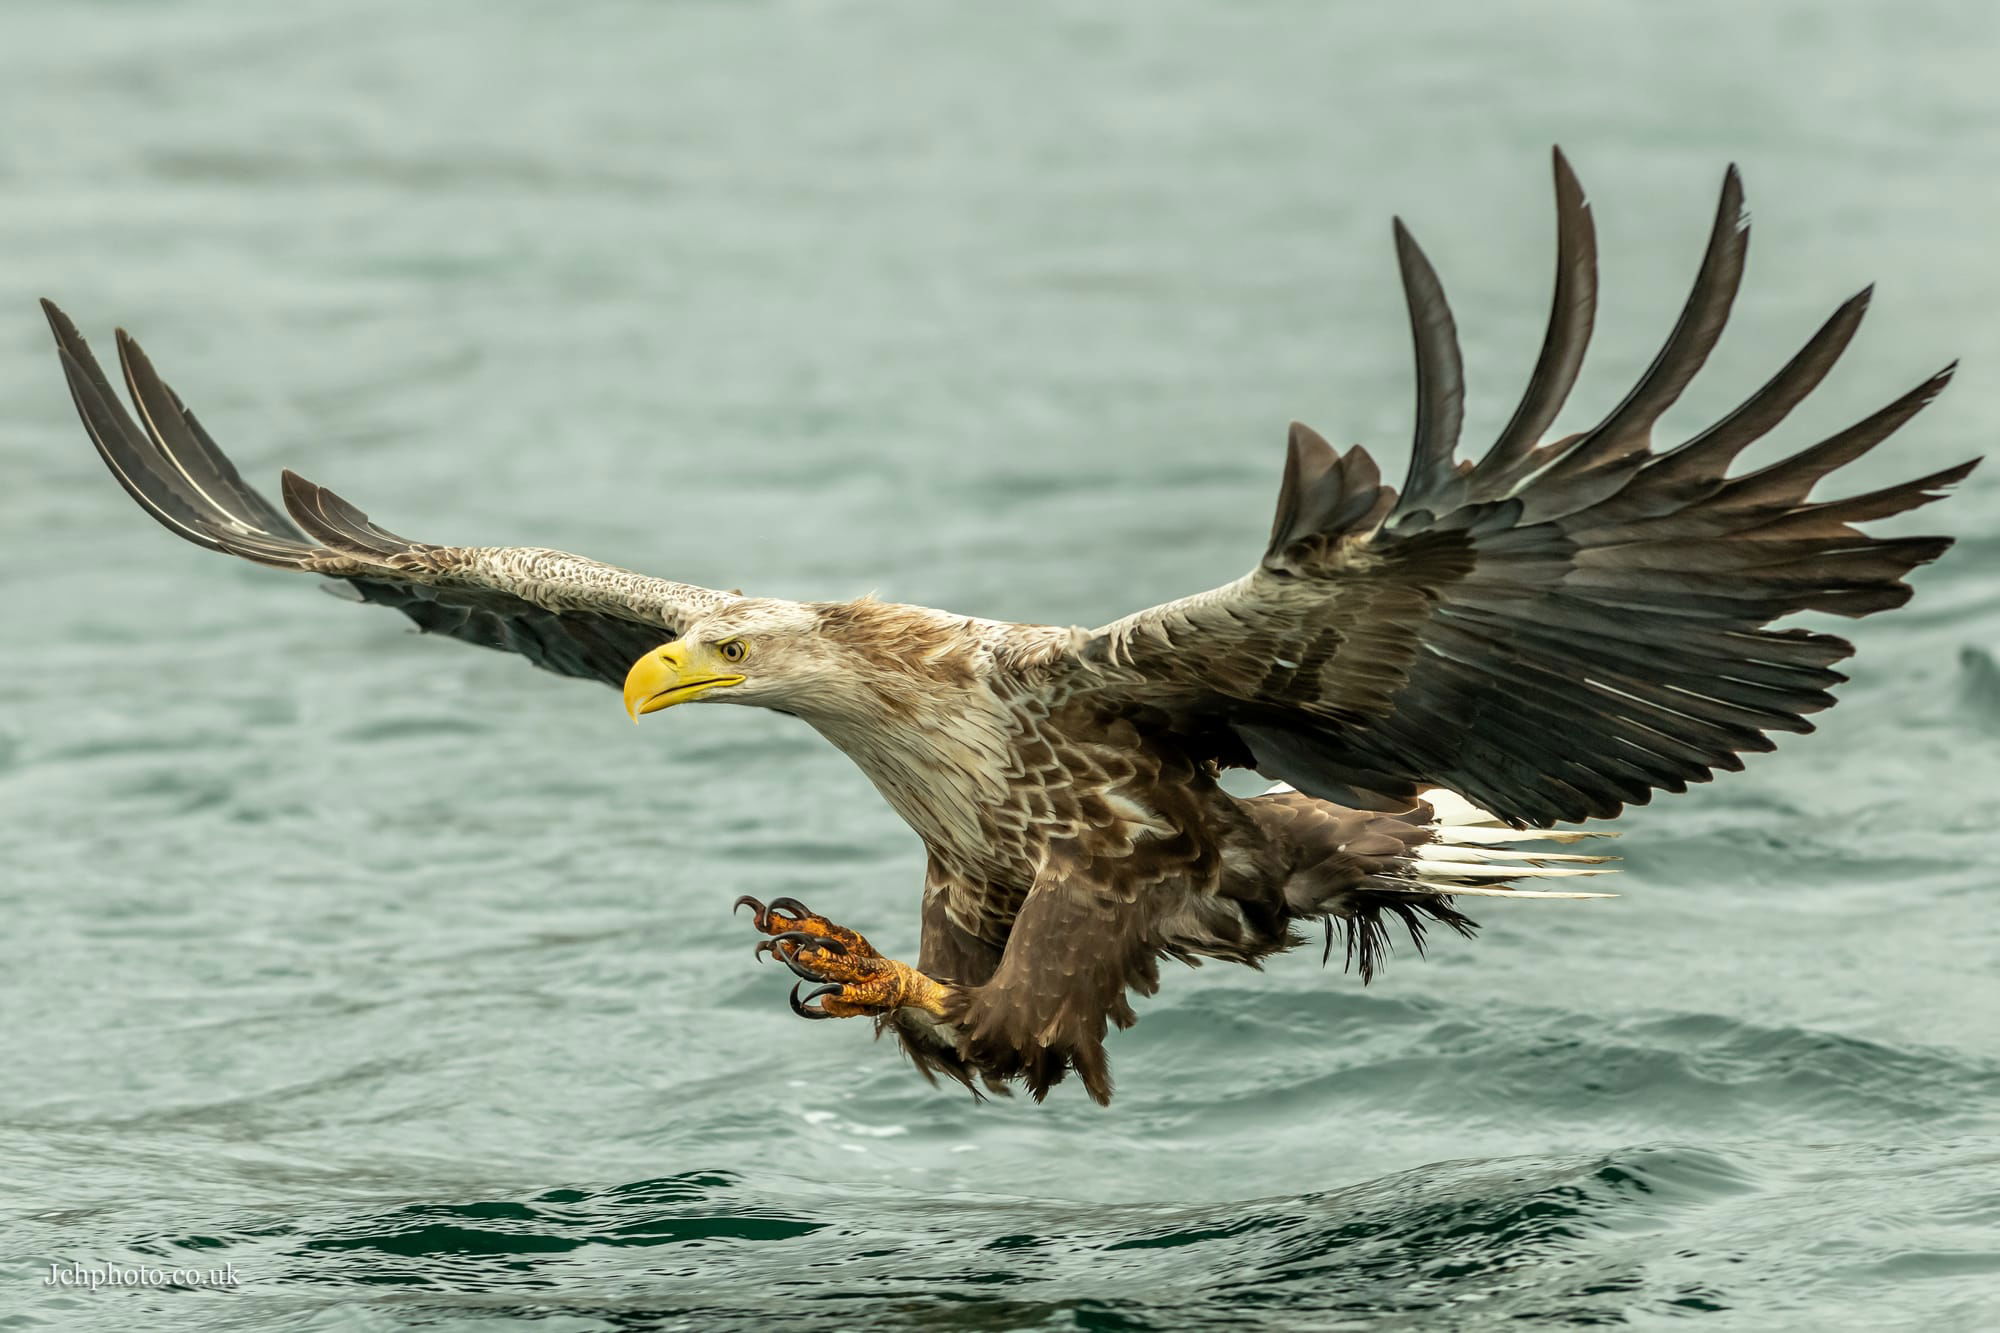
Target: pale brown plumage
(1551, 632)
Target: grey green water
(402, 978)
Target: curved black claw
(790, 907)
(790, 958)
(760, 913)
(799, 940)
(799, 1002)
(803, 939)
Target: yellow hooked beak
(673, 674)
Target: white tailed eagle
(1433, 673)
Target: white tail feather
(1449, 871)
(1471, 845)
(1451, 808)
(1445, 851)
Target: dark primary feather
(1571, 317)
(569, 615)
(1620, 442)
(1440, 374)
(1558, 630)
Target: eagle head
(769, 653)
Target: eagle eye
(733, 651)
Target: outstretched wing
(562, 612)
(1556, 630)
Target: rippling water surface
(402, 978)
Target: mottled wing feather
(1559, 629)
(562, 612)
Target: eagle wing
(1556, 630)
(565, 613)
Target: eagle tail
(1472, 854)
(1360, 873)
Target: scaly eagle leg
(854, 980)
